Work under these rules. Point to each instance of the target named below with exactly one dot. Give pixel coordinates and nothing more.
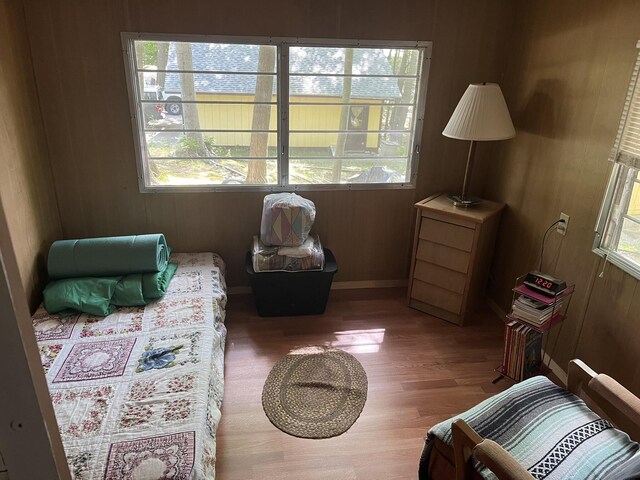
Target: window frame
(617, 175)
(282, 78)
(613, 207)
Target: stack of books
(522, 351)
(534, 312)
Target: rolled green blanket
(108, 256)
(154, 285)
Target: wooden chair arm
(578, 376)
(465, 439)
(500, 462)
(467, 443)
(606, 397)
(620, 405)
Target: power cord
(544, 239)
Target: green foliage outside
(220, 167)
(215, 171)
(150, 53)
(630, 240)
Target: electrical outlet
(563, 227)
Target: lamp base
(464, 202)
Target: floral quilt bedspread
(137, 394)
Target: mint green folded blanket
(108, 256)
(100, 296)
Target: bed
(137, 394)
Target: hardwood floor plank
(428, 384)
(421, 370)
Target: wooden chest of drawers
(452, 252)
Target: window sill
(272, 188)
(619, 261)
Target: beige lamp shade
(481, 115)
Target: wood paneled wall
(568, 73)
(80, 75)
(30, 443)
(29, 221)
(26, 185)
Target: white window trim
(609, 255)
(283, 108)
(606, 212)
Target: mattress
(266, 259)
(137, 394)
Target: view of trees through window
(629, 242)
(623, 233)
(211, 113)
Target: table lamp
(481, 115)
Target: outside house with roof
(315, 91)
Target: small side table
(452, 252)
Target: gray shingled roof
(244, 58)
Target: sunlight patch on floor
(359, 341)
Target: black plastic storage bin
(279, 294)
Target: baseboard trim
(401, 282)
(352, 285)
(495, 308)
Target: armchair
(536, 429)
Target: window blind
(626, 149)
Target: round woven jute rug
(315, 392)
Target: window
(618, 228)
(273, 114)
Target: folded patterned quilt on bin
(102, 295)
(266, 259)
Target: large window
(255, 113)
(618, 229)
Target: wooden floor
(421, 370)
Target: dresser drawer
(439, 297)
(443, 277)
(448, 234)
(443, 256)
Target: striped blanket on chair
(548, 430)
